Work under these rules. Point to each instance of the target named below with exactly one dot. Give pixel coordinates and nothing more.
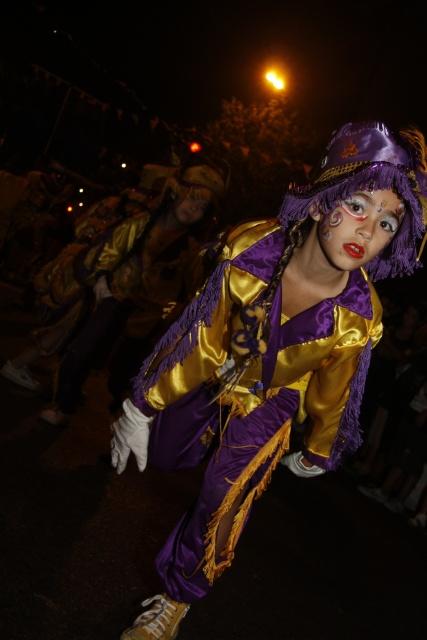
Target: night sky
(343, 60)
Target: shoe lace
(158, 617)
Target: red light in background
(69, 209)
(195, 147)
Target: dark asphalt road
(318, 560)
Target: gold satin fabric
(120, 243)
(321, 370)
(147, 276)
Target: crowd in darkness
(392, 464)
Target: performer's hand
(101, 289)
(131, 432)
(295, 463)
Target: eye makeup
(355, 207)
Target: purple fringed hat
(368, 156)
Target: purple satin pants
(177, 441)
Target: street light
(275, 79)
(195, 147)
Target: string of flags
(52, 78)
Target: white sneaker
(20, 375)
(373, 492)
(160, 622)
(393, 504)
(295, 464)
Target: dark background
(343, 60)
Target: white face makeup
(361, 226)
(359, 205)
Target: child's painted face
(360, 227)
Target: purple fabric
(261, 258)
(348, 438)
(356, 296)
(182, 336)
(312, 324)
(147, 409)
(364, 142)
(399, 258)
(319, 322)
(388, 164)
(185, 548)
(176, 437)
(270, 357)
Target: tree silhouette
(267, 145)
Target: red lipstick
(354, 250)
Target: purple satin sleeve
(145, 408)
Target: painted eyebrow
(364, 195)
(367, 197)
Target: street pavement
(317, 561)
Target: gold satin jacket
(153, 277)
(323, 352)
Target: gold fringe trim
(275, 448)
(240, 446)
(421, 249)
(207, 437)
(340, 170)
(188, 576)
(236, 409)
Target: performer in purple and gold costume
(282, 331)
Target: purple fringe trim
(399, 258)
(182, 335)
(349, 438)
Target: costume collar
(260, 260)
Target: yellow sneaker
(160, 622)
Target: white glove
(130, 433)
(101, 289)
(294, 463)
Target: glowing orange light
(277, 81)
(195, 147)
(69, 209)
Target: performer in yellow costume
(62, 300)
(137, 271)
(281, 331)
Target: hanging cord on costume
(251, 341)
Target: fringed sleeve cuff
(145, 407)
